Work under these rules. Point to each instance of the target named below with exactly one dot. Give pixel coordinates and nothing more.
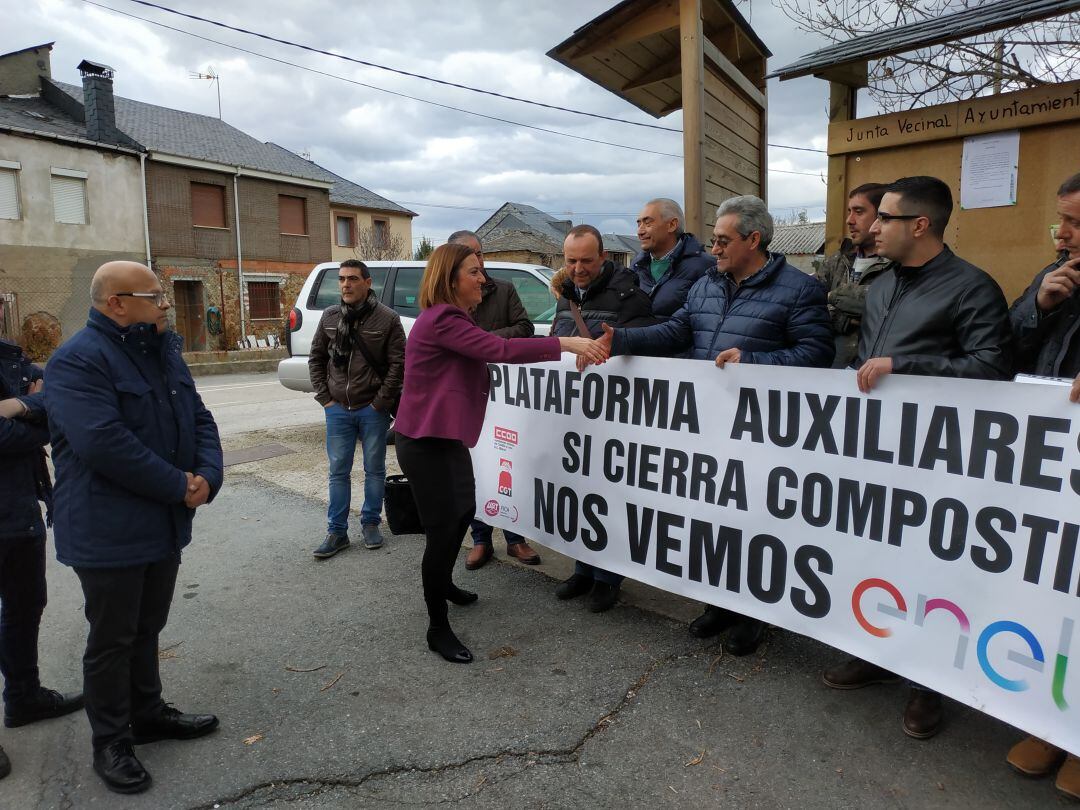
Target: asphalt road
(328, 697)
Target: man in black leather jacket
(931, 313)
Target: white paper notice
(989, 169)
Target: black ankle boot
(459, 596)
(443, 641)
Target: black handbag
(401, 513)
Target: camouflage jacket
(846, 298)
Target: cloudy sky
(453, 168)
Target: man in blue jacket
(24, 480)
(671, 260)
(751, 307)
(135, 452)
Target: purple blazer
(446, 377)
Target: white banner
(930, 527)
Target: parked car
(396, 284)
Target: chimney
(98, 102)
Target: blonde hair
(441, 271)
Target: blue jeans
(481, 533)
(343, 428)
(598, 574)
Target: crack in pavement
(539, 757)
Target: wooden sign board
(958, 119)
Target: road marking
(238, 385)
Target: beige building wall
(47, 264)
(363, 219)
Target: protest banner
(931, 527)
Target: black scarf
(347, 336)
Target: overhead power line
(399, 71)
(375, 87)
(405, 95)
(424, 77)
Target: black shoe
(603, 597)
(120, 770)
(460, 596)
(744, 637)
(172, 724)
(577, 585)
(713, 622)
(45, 703)
(443, 641)
(5, 764)
(331, 546)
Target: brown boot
(922, 717)
(855, 674)
(523, 553)
(1068, 778)
(478, 556)
(1034, 757)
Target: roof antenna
(214, 78)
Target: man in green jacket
(848, 273)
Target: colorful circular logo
(491, 508)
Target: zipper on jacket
(728, 300)
(890, 310)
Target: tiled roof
(618, 243)
(37, 115)
(518, 217)
(934, 31)
(799, 240)
(190, 135)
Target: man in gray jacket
(357, 367)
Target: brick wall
(168, 192)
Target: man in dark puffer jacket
(24, 480)
(602, 295)
(753, 307)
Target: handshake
(589, 351)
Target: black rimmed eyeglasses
(890, 217)
(158, 298)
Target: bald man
(135, 452)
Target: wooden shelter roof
(633, 50)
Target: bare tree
(1026, 56)
(380, 243)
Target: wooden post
(844, 83)
(693, 106)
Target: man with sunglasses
(932, 314)
(357, 367)
(135, 452)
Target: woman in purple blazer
(441, 414)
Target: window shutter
(291, 214)
(69, 199)
(208, 205)
(9, 194)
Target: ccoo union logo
(506, 435)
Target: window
(346, 231)
(535, 295)
(329, 293)
(264, 300)
(9, 189)
(69, 196)
(291, 214)
(208, 206)
(407, 291)
(380, 231)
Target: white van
(396, 284)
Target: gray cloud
(412, 152)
